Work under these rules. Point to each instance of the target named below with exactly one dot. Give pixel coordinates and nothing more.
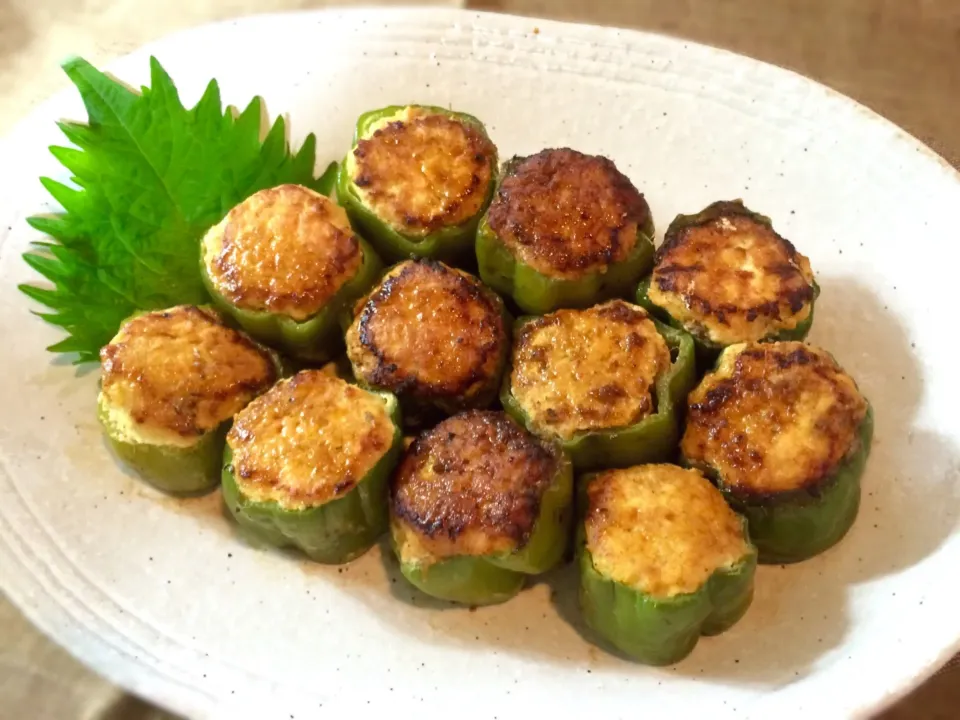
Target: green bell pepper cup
(707, 349)
(653, 439)
(493, 579)
(661, 631)
(449, 244)
(335, 532)
(175, 470)
(316, 339)
(795, 526)
(537, 293)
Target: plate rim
(90, 647)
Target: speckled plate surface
(164, 599)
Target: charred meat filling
(432, 333)
(567, 214)
(773, 418)
(472, 485)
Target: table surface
(899, 57)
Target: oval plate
(162, 597)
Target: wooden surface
(899, 57)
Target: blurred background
(899, 57)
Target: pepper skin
(806, 523)
(495, 579)
(175, 470)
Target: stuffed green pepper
(285, 264)
(170, 382)
(433, 335)
(607, 383)
(726, 276)
(785, 432)
(307, 465)
(663, 560)
(417, 180)
(564, 229)
(478, 504)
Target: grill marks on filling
(429, 331)
(472, 485)
(774, 418)
(594, 369)
(182, 371)
(730, 278)
(423, 171)
(567, 214)
(285, 250)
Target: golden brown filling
(773, 417)
(420, 172)
(309, 440)
(581, 370)
(567, 214)
(732, 280)
(284, 250)
(428, 331)
(660, 529)
(176, 374)
(472, 485)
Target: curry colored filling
(420, 171)
(285, 250)
(732, 279)
(582, 370)
(428, 331)
(472, 485)
(170, 376)
(310, 439)
(660, 529)
(773, 417)
(567, 214)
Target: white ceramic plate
(161, 596)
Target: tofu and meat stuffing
(564, 229)
(417, 180)
(663, 560)
(786, 432)
(577, 371)
(433, 335)
(307, 465)
(170, 382)
(726, 276)
(478, 503)
(284, 263)
(604, 382)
